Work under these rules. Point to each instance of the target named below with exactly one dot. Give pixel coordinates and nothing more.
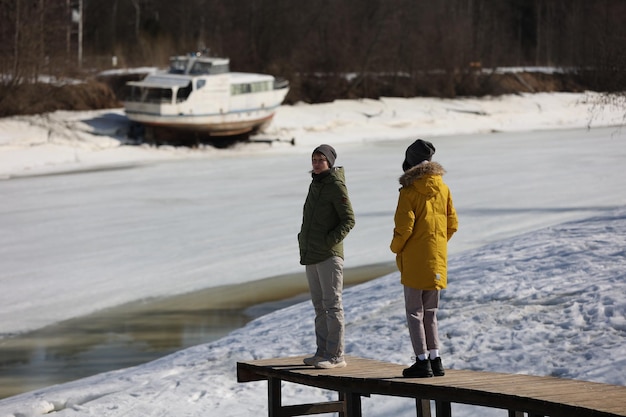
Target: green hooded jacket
(327, 218)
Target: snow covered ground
(537, 277)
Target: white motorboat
(199, 94)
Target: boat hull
(212, 125)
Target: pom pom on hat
(418, 152)
(329, 152)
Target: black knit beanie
(418, 152)
(329, 152)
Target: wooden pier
(519, 394)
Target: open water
(134, 334)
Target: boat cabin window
(239, 89)
(200, 67)
(183, 93)
(262, 86)
(178, 66)
(135, 93)
(256, 87)
(200, 83)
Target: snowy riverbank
(540, 215)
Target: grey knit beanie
(329, 152)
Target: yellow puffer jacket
(425, 220)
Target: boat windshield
(198, 65)
(178, 65)
(158, 95)
(208, 67)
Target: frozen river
(77, 244)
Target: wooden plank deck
(535, 395)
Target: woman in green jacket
(327, 218)
(425, 220)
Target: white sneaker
(312, 360)
(331, 363)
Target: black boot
(437, 366)
(420, 369)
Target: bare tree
(403, 47)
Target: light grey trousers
(421, 315)
(326, 286)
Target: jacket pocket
(399, 262)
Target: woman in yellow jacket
(425, 220)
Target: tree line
(321, 42)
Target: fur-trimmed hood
(418, 171)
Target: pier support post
(422, 407)
(444, 408)
(274, 397)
